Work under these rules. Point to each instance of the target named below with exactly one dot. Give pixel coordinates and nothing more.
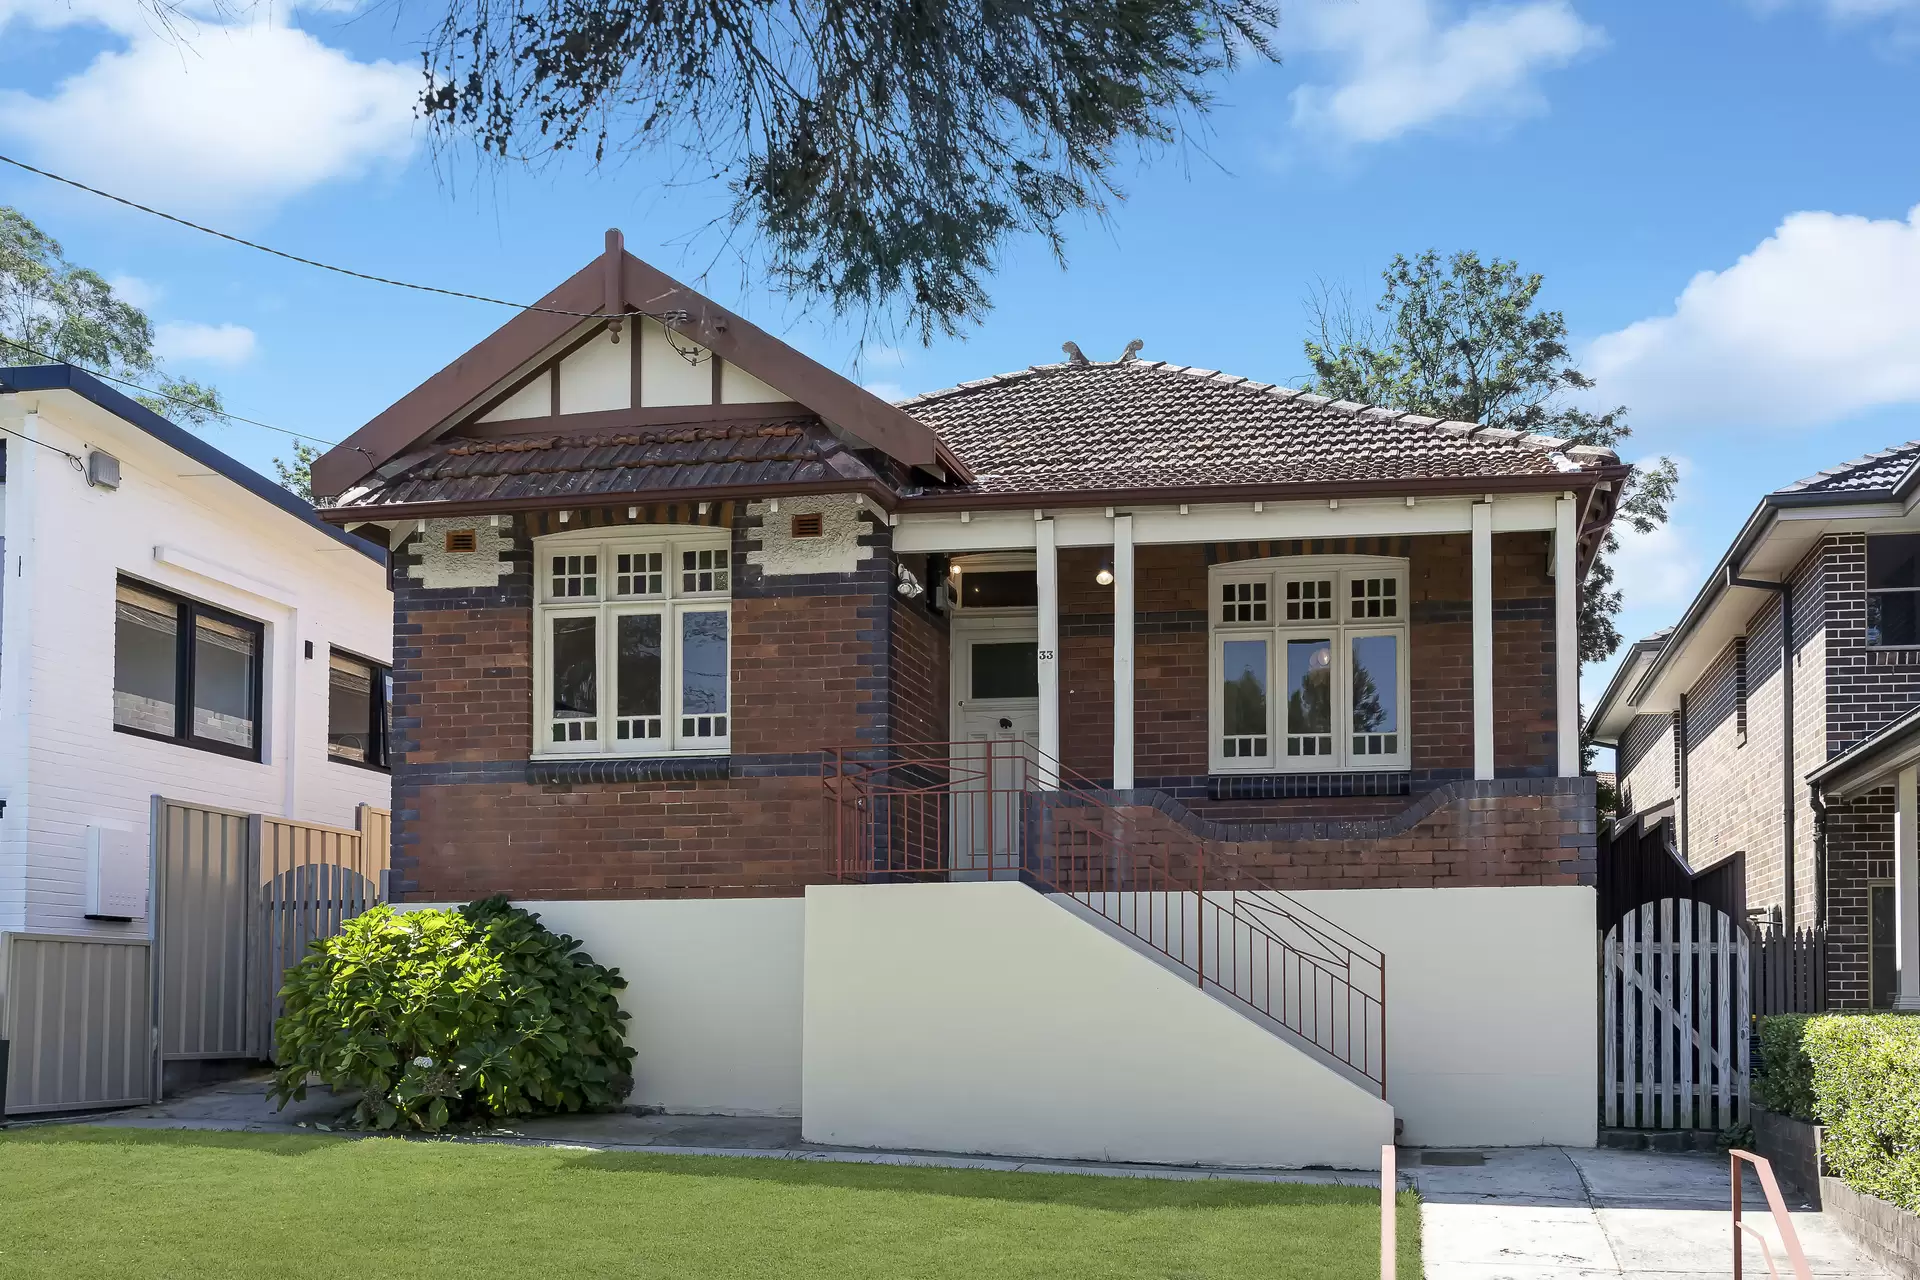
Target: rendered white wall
(596, 377)
(983, 1018)
(666, 378)
(62, 764)
(713, 987)
(737, 386)
(535, 400)
(1491, 1004)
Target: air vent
(807, 526)
(463, 540)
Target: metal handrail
(902, 811)
(1788, 1237)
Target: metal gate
(1673, 1015)
(237, 900)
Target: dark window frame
(188, 612)
(1873, 591)
(379, 710)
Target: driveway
(1556, 1213)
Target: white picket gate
(1673, 1018)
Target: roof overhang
(92, 395)
(1872, 762)
(1616, 709)
(1779, 534)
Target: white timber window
(1308, 668)
(632, 643)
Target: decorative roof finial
(1074, 355)
(1133, 349)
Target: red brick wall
(920, 664)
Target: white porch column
(1046, 581)
(1566, 638)
(1482, 526)
(1123, 653)
(1906, 882)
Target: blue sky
(1718, 193)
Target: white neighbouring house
(171, 622)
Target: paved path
(1551, 1213)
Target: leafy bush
(1866, 1084)
(1784, 1083)
(444, 1016)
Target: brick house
(1776, 721)
(663, 585)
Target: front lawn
(154, 1203)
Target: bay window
(632, 645)
(1308, 665)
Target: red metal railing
(1789, 1238)
(1000, 810)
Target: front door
(997, 724)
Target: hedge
(1859, 1075)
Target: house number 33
(1046, 655)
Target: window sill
(360, 764)
(1302, 785)
(196, 744)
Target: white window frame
(671, 604)
(1340, 631)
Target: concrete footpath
(1525, 1213)
(1553, 1213)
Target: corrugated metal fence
(236, 899)
(78, 1022)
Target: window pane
(1310, 601)
(1309, 697)
(1006, 670)
(145, 661)
(1883, 975)
(1376, 597)
(703, 674)
(638, 573)
(576, 576)
(350, 728)
(1243, 602)
(576, 696)
(1243, 698)
(1376, 695)
(226, 658)
(702, 571)
(1013, 589)
(1893, 560)
(637, 680)
(1893, 617)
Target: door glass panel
(703, 674)
(1376, 695)
(145, 661)
(1010, 589)
(1884, 974)
(637, 680)
(1309, 698)
(1243, 698)
(225, 664)
(576, 694)
(1006, 669)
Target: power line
(324, 266)
(165, 395)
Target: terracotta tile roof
(629, 460)
(1875, 471)
(1146, 424)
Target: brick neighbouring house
(1696, 714)
(648, 575)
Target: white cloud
(888, 391)
(224, 115)
(134, 291)
(228, 344)
(1407, 64)
(1821, 320)
(1656, 570)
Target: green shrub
(444, 1016)
(1866, 1084)
(1784, 1083)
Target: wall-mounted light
(1105, 576)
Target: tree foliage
(298, 474)
(52, 310)
(1464, 339)
(880, 152)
